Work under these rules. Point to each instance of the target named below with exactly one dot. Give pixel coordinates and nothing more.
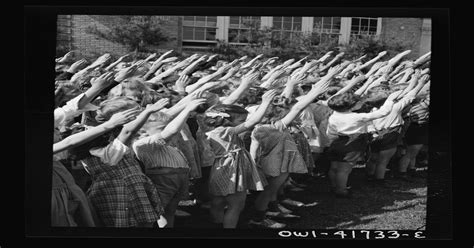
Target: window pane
(277, 25)
(188, 33)
(211, 34)
(234, 20)
(336, 24)
(355, 21)
(373, 28)
(317, 20)
(243, 37)
(212, 19)
(287, 19)
(233, 35)
(188, 23)
(189, 18)
(373, 22)
(200, 18)
(199, 33)
(364, 22)
(286, 25)
(298, 19)
(277, 19)
(297, 26)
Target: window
(326, 28)
(239, 27)
(199, 28)
(364, 26)
(287, 27)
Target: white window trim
(223, 25)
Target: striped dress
(278, 152)
(121, 194)
(233, 169)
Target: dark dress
(278, 152)
(69, 204)
(122, 194)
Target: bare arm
(131, 128)
(319, 88)
(257, 116)
(90, 134)
(349, 86)
(370, 62)
(291, 83)
(176, 124)
(254, 145)
(382, 111)
(102, 82)
(362, 89)
(237, 93)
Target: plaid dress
(278, 152)
(233, 169)
(121, 194)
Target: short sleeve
(155, 139)
(112, 153)
(71, 110)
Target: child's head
(114, 105)
(329, 92)
(343, 102)
(224, 115)
(252, 96)
(156, 123)
(133, 88)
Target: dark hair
(329, 92)
(373, 99)
(343, 102)
(275, 113)
(252, 96)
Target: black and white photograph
(305, 125)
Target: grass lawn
(400, 206)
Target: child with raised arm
(387, 132)
(275, 151)
(120, 192)
(233, 171)
(69, 205)
(163, 160)
(348, 138)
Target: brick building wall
(412, 32)
(405, 31)
(90, 45)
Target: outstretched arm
(257, 116)
(177, 123)
(237, 93)
(77, 139)
(131, 128)
(293, 80)
(319, 88)
(349, 86)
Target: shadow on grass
(401, 205)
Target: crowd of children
(135, 138)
